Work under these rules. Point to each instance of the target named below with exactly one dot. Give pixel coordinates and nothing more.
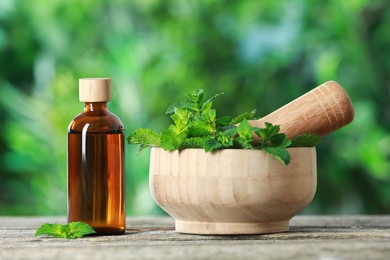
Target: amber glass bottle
(96, 184)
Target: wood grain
(231, 191)
(310, 237)
(320, 111)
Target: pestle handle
(320, 111)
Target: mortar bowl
(231, 191)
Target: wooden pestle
(320, 111)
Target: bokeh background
(262, 54)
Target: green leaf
(271, 129)
(247, 115)
(144, 136)
(54, 230)
(279, 140)
(211, 144)
(170, 140)
(267, 132)
(279, 153)
(199, 128)
(79, 229)
(306, 140)
(172, 107)
(71, 230)
(225, 139)
(197, 96)
(192, 142)
(181, 119)
(244, 131)
(142, 147)
(223, 121)
(229, 130)
(203, 125)
(242, 143)
(206, 106)
(194, 102)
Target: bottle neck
(95, 106)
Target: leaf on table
(71, 230)
(51, 230)
(79, 229)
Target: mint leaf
(206, 106)
(172, 107)
(181, 119)
(192, 142)
(144, 136)
(200, 128)
(306, 140)
(241, 117)
(244, 131)
(211, 144)
(79, 229)
(226, 138)
(71, 230)
(279, 153)
(203, 124)
(51, 230)
(268, 131)
(279, 140)
(170, 140)
(195, 101)
(223, 121)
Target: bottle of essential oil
(96, 172)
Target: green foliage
(195, 125)
(306, 140)
(263, 53)
(144, 137)
(71, 230)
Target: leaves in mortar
(279, 153)
(211, 144)
(192, 142)
(181, 119)
(206, 106)
(71, 230)
(144, 136)
(195, 125)
(247, 115)
(171, 141)
(306, 140)
(223, 121)
(244, 131)
(203, 125)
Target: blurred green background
(262, 54)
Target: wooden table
(310, 237)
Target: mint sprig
(196, 125)
(68, 231)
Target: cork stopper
(95, 89)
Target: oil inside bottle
(96, 182)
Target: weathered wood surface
(310, 237)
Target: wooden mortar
(231, 192)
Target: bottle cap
(95, 89)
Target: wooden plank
(310, 237)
